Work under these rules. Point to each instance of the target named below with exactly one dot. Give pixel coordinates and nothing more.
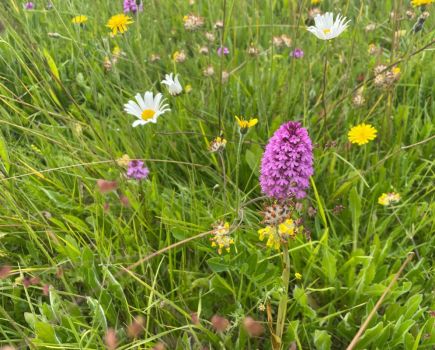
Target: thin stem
(222, 40)
(239, 149)
(282, 308)
(224, 176)
(325, 69)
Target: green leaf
(99, 318)
(45, 332)
(4, 155)
(322, 340)
(355, 209)
(218, 264)
(51, 64)
(330, 266)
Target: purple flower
(29, 5)
(132, 6)
(297, 53)
(137, 170)
(223, 50)
(287, 163)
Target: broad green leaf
(322, 340)
(45, 332)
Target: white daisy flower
(174, 86)
(326, 28)
(146, 109)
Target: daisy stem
(325, 68)
(282, 307)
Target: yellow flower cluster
(389, 198)
(218, 144)
(278, 234)
(221, 237)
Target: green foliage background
(62, 127)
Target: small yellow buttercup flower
(362, 134)
(416, 3)
(389, 198)
(298, 276)
(119, 23)
(79, 19)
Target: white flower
(174, 86)
(146, 109)
(326, 28)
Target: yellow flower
(79, 19)
(188, 88)
(116, 52)
(416, 3)
(396, 70)
(315, 2)
(179, 56)
(119, 23)
(278, 234)
(362, 134)
(123, 161)
(218, 144)
(298, 276)
(221, 237)
(246, 124)
(389, 198)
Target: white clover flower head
(325, 28)
(173, 84)
(147, 108)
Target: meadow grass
(79, 266)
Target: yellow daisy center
(148, 114)
(326, 31)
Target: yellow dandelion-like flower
(298, 276)
(362, 134)
(389, 198)
(416, 3)
(246, 124)
(119, 23)
(79, 19)
(315, 2)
